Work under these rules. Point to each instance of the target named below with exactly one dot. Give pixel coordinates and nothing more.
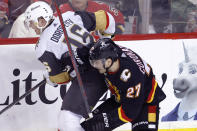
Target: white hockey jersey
(52, 49)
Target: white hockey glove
(46, 76)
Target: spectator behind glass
(92, 6)
(131, 12)
(15, 8)
(160, 16)
(183, 16)
(3, 16)
(191, 22)
(180, 15)
(20, 30)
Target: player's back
(52, 39)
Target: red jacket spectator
(3, 15)
(93, 6)
(4, 5)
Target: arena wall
(20, 71)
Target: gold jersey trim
(101, 20)
(60, 78)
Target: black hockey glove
(88, 18)
(82, 54)
(82, 57)
(99, 122)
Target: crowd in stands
(131, 16)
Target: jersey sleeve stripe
(152, 92)
(152, 113)
(107, 20)
(122, 115)
(121, 27)
(61, 78)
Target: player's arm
(101, 21)
(57, 72)
(109, 120)
(132, 100)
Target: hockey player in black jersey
(132, 82)
(52, 52)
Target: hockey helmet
(104, 48)
(38, 10)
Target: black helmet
(104, 48)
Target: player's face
(34, 27)
(99, 65)
(79, 5)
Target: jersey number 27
(134, 92)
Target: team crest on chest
(125, 75)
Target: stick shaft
(73, 60)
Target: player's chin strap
(103, 62)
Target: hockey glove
(82, 57)
(99, 122)
(88, 18)
(82, 53)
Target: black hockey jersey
(133, 84)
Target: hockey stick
(23, 96)
(73, 60)
(164, 78)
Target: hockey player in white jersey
(52, 51)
